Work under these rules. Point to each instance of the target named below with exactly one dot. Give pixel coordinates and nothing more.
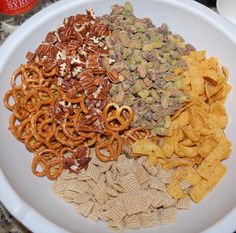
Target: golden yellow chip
(199, 191)
(185, 151)
(153, 160)
(191, 175)
(211, 76)
(197, 117)
(181, 120)
(168, 147)
(175, 190)
(197, 160)
(219, 153)
(225, 72)
(177, 163)
(190, 134)
(217, 119)
(207, 146)
(147, 147)
(187, 142)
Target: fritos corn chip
(199, 191)
(176, 163)
(207, 146)
(147, 147)
(191, 175)
(175, 191)
(219, 153)
(153, 160)
(198, 128)
(168, 147)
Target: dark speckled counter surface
(9, 224)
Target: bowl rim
(22, 211)
(221, 11)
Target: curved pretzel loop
(51, 73)
(135, 134)
(50, 162)
(36, 120)
(109, 146)
(117, 118)
(31, 143)
(29, 74)
(11, 93)
(24, 129)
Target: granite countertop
(8, 24)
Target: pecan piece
(99, 71)
(49, 64)
(69, 21)
(30, 56)
(73, 45)
(42, 50)
(113, 76)
(51, 38)
(82, 151)
(68, 162)
(71, 93)
(83, 162)
(93, 61)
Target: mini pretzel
(117, 118)
(20, 72)
(36, 120)
(46, 128)
(24, 129)
(31, 143)
(46, 96)
(51, 73)
(109, 146)
(70, 131)
(31, 102)
(13, 125)
(135, 134)
(20, 112)
(38, 97)
(55, 169)
(7, 96)
(52, 142)
(25, 72)
(51, 164)
(64, 140)
(89, 138)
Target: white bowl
(227, 8)
(30, 198)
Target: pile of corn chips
(196, 143)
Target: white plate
(227, 8)
(30, 199)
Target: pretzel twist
(109, 146)
(135, 134)
(117, 118)
(50, 162)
